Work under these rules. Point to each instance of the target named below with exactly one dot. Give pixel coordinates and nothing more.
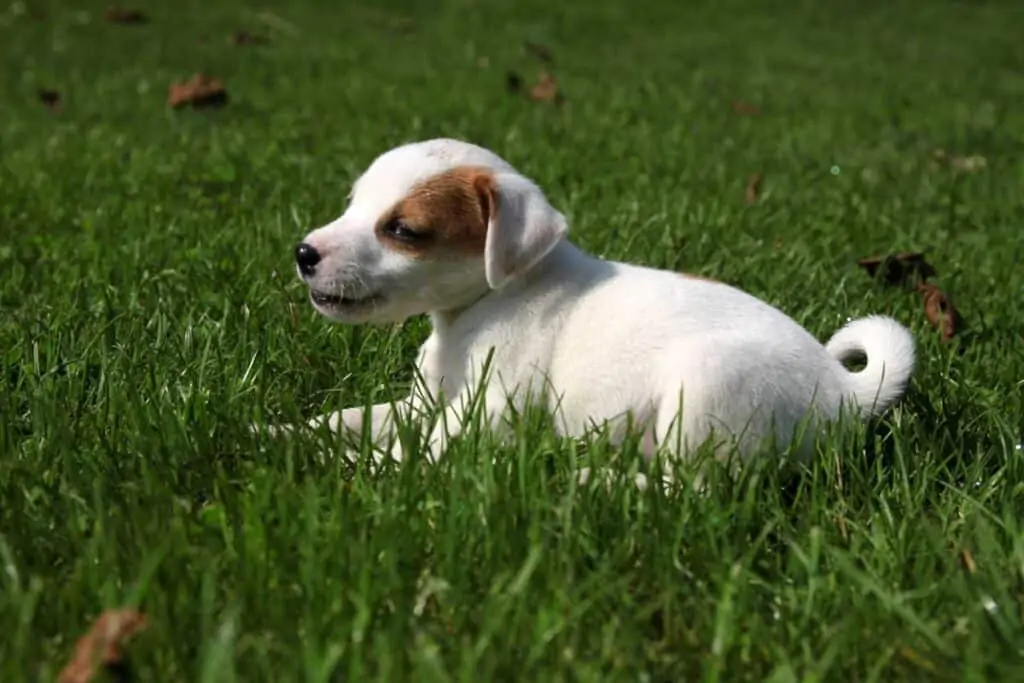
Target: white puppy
(450, 229)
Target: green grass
(150, 312)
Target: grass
(150, 312)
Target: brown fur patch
(698, 277)
(448, 214)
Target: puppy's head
(430, 226)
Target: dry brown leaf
(898, 269)
(546, 89)
(538, 51)
(753, 187)
(939, 310)
(967, 561)
(49, 98)
(199, 91)
(246, 38)
(101, 647)
(746, 108)
(120, 15)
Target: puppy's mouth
(344, 303)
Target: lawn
(150, 313)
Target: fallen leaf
(939, 310)
(546, 89)
(483, 61)
(540, 52)
(967, 561)
(898, 269)
(513, 82)
(199, 91)
(246, 38)
(753, 187)
(120, 15)
(49, 98)
(746, 108)
(101, 646)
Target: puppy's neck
(565, 263)
(442, 320)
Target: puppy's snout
(306, 257)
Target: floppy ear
(522, 227)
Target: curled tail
(888, 348)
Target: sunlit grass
(150, 313)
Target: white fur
(595, 340)
(524, 231)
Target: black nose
(306, 257)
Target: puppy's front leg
(383, 432)
(454, 418)
(353, 419)
(384, 426)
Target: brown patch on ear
(690, 276)
(446, 214)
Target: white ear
(522, 229)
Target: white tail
(889, 351)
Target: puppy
(449, 229)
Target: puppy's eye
(399, 230)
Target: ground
(150, 312)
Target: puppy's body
(599, 342)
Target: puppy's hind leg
(648, 448)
